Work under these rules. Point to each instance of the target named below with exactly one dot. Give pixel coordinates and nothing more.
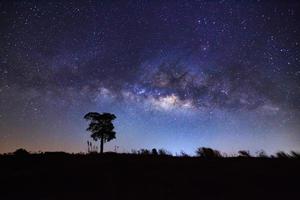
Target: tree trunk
(101, 145)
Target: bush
(208, 153)
(262, 154)
(154, 152)
(183, 154)
(244, 153)
(163, 152)
(295, 154)
(282, 154)
(144, 152)
(21, 152)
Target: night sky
(177, 74)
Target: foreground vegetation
(147, 174)
(202, 152)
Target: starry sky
(177, 74)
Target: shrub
(282, 154)
(262, 154)
(295, 154)
(208, 153)
(163, 152)
(21, 152)
(154, 152)
(244, 153)
(144, 152)
(183, 154)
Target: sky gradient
(177, 74)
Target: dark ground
(64, 176)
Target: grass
(133, 176)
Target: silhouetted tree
(101, 127)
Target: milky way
(177, 74)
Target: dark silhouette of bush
(101, 127)
(208, 153)
(261, 154)
(163, 152)
(21, 152)
(244, 153)
(282, 154)
(154, 152)
(183, 154)
(144, 152)
(126, 176)
(295, 154)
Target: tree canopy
(101, 127)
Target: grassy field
(125, 176)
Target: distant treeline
(202, 152)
